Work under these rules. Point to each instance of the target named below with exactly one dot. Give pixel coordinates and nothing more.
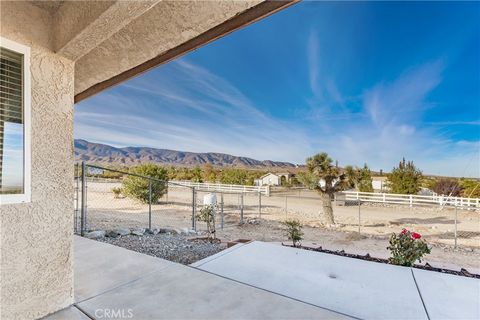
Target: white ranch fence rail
(220, 187)
(412, 200)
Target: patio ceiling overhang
(112, 41)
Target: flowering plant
(406, 248)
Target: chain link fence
(101, 203)
(254, 215)
(450, 225)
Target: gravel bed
(176, 248)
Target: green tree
(138, 187)
(351, 176)
(208, 172)
(197, 174)
(359, 178)
(406, 179)
(365, 179)
(325, 178)
(184, 174)
(470, 187)
(172, 173)
(233, 176)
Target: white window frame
(26, 196)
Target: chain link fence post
(456, 216)
(194, 209)
(259, 204)
(221, 210)
(77, 195)
(149, 204)
(83, 214)
(241, 207)
(359, 221)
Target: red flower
(416, 235)
(404, 231)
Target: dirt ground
(377, 222)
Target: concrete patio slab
(159, 289)
(100, 267)
(354, 287)
(180, 292)
(70, 313)
(448, 296)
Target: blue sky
(365, 82)
(12, 167)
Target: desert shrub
(207, 215)
(138, 188)
(117, 191)
(294, 231)
(406, 248)
(405, 179)
(447, 187)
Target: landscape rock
(118, 232)
(169, 230)
(138, 232)
(168, 246)
(153, 231)
(98, 234)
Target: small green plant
(117, 192)
(406, 248)
(294, 231)
(207, 215)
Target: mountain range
(105, 154)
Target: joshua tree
(326, 179)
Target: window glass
(12, 129)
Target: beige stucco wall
(36, 264)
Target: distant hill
(105, 154)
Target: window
(14, 122)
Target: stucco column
(36, 257)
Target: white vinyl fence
(220, 187)
(412, 200)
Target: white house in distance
(379, 184)
(273, 179)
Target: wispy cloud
(393, 129)
(191, 108)
(404, 98)
(194, 110)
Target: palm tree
(326, 179)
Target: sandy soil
(376, 222)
